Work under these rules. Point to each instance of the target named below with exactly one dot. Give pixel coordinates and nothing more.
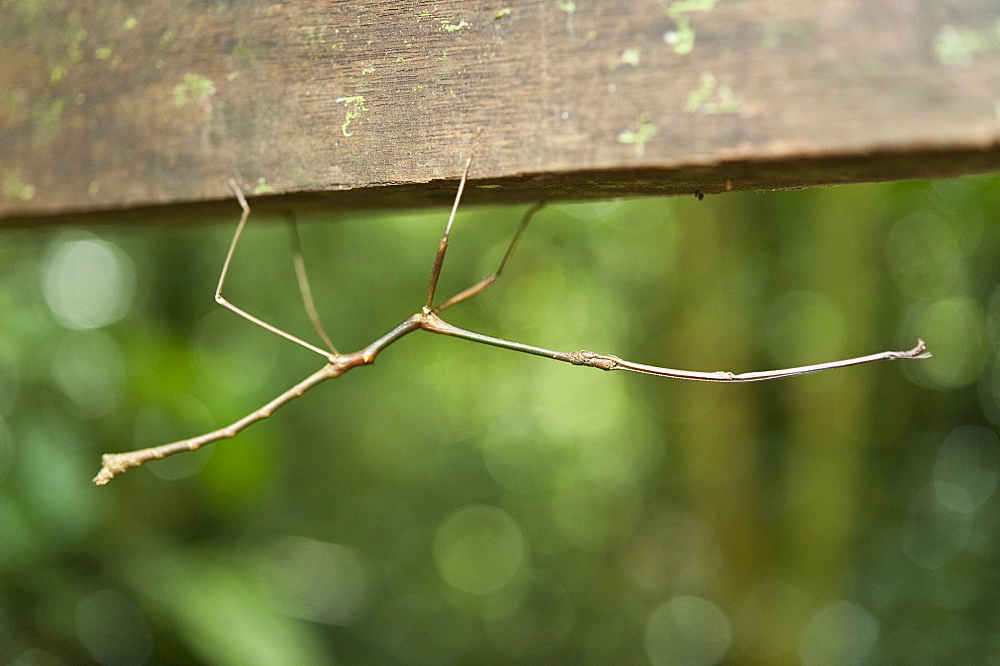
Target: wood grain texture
(109, 111)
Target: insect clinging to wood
(427, 318)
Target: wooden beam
(109, 111)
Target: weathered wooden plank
(109, 110)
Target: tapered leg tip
(920, 351)
(113, 464)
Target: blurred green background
(456, 503)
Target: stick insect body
(428, 318)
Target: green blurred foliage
(457, 503)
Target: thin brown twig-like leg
(113, 464)
(303, 279)
(608, 362)
(221, 300)
(481, 286)
(443, 243)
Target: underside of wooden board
(111, 111)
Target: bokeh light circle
(88, 282)
(478, 549)
(687, 630)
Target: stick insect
(428, 318)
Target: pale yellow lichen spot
(355, 107)
(194, 90)
(638, 138)
(958, 46)
(14, 186)
(631, 57)
(710, 97)
(682, 38)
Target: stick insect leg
(303, 280)
(443, 244)
(481, 286)
(221, 300)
